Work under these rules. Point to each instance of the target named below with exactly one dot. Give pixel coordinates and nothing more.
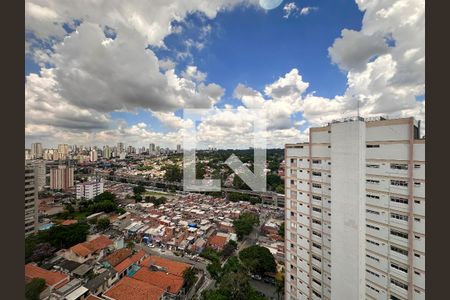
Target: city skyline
(304, 63)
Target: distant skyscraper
(106, 152)
(63, 151)
(36, 150)
(151, 148)
(120, 147)
(178, 148)
(93, 155)
(61, 177)
(27, 154)
(355, 212)
(30, 201)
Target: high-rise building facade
(36, 150)
(106, 152)
(355, 212)
(40, 173)
(89, 190)
(63, 151)
(61, 177)
(30, 201)
(93, 155)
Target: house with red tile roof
(166, 265)
(53, 279)
(126, 265)
(170, 283)
(132, 289)
(217, 242)
(118, 256)
(93, 249)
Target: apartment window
(416, 166)
(317, 258)
(317, 246)
(292, 245)
(317, 209)
(399, 166)
(316, 197)
(372, 181)
(316, 281)
(372, 166)
(417, 201)
(317, 270)
(372, 196)
(399, 182)
(317, 173)
(372, 288)
(373, 146)
(417, 273)
(399, 217)
(417, 255)
(292, 214)
(316, 293)
(372, 257)
(317, 233)
(316, 185)
(417, 219)
(372, 242)
(372, 212)
(417, 183)
(329, 163)
(316, 161)
(372, 227)
(399, 233)
(398, 267)
(301, 159)
(399, 200)
(316, 222)
(373, 273)
(399, 250)
(399, 283)
(395, 298)
(292, 182)
(292, 160)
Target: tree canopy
(34, 288)
(244, 224)
(258, 260)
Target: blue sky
(243, 45)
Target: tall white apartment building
(355, 212)
(36, 150)
(61, 177)
(89, 190)
(40, 173)
(30, 201)
(63, 151)
(93, 156)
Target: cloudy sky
(107, 71)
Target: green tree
(34, 288)
(233, 265)
(214, 269)
(258, 260)
(69, 207)
(190, 277)
(103, 223)
(244, 224)
(173, 173)
(138, 189)
(229, 248)
(130, 244)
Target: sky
(103, 72)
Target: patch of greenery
(34, 288)
(258, 260)
(244, 224)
